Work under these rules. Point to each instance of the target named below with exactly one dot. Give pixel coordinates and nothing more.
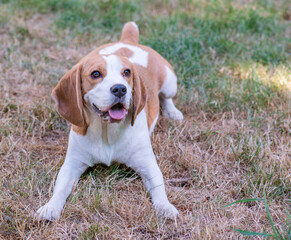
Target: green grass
(277, 233)
(207, 45)
(219, 35)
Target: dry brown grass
(211, 159)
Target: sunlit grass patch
(279, 76)
(257, 87)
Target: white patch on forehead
(114, 67)
(139, 56)
(113, 64)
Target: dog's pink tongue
(117, 114)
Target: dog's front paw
(173, 113)
(166, 209)
(49, 211)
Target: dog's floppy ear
(139, 95)
(68, 97)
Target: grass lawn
(233, 61)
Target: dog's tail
(130, 33)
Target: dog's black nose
(118, 90)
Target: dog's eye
(96, 74)
(126, 73)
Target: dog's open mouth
(117, 112)
(114, 114)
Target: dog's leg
(68, 176)
(148, 169)
(166, 93)
(169, 110)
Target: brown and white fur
(110, 123)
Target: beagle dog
(112, 98)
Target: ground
(232, 59)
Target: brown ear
(139, 95)
(68, 97)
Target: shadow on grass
(115, 171)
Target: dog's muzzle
(115, 113)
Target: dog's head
(106, 85)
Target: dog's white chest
(104, 143)
(103, 153)
(114, 142)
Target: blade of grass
(9, 219)
(243, 200)
(269, 216)
(248, 233)
(233, 151)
